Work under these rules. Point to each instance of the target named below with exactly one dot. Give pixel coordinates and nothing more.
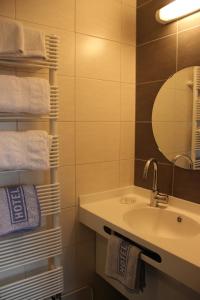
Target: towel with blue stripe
(124, 264)
(19, 209)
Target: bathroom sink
(162, 223)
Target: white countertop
(106, 209)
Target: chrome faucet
(157, 198)
(186, 157)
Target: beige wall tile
(67, 53)
(97, 142)
(7, 8)
(85, 259)
(79, 265)
(97, 58)
(66, 143)
(83, 233)
(127, 140)
(127, 102)
(99, 18)
(97, 177)
(70, 269)
(128, 64)
(66, 177)
(97, 100)
(66, 99)
(66, 62)
(45, 12)
(68, 223)
(129, 2)
(100, 66)
(126, 172)
(128, 24)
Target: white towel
(19, 41)
(11, 37)
(34, 43)
(24, 95)
(27, 150)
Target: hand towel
(24, 95)
(11, 37)
(34, 43)
(27, 150)
(123, 264)
(20, 41)
(19, 209)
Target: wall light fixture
(176, 10)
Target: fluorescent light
(176, 10)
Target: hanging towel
(24, 95)
(123, 264)
(11, 37)
(18, 41)
(27, 150)
(19, 209)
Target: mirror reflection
(176, 118)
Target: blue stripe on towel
(17, 204)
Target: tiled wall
(96, 79)
(161, 51)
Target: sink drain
(179, 219)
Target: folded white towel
(24, 95)
(11, 37)
(19, 41)
(27, 150)
(34, 43)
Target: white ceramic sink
(162, 223)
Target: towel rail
(37, 287)
(145, 251)
(23, 249)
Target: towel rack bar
(34, 288)
(145, 251)
(43, 244)
(18, 250)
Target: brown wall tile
(164, 177)
(148, 28)
(142, 2)
(145, 97)
(189, 22)
(145, 145)
(187, 184)
(156, 60)
(188, 48)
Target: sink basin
(162, 223)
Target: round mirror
(176, 118)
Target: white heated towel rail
(45, 243)
(195, 153)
